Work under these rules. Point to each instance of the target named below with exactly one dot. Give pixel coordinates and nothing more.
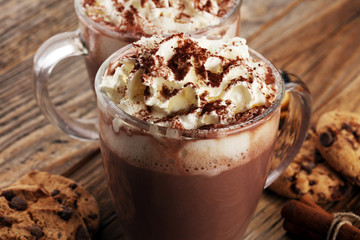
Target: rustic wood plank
(255, 14)
(318, 50)
(317, 40)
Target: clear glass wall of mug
(96, 42)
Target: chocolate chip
(356, 136)
(321, 196)
(65, 214)
(294, 188)
(8, 194)
(347, 127)
(308, 167)
(82, 234)
(55, 192)
(73, 186)
(59, 235)
(312, 182)
(36, 231)
(78, 194)
(60, 200)
(317, 157)
(93, 216)
(18, 204)
(6, 221)
(292, 178)
(326, 139)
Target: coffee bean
(36, 231)
(82, 234)
(6, 221)
(55, 192)
(8, 194)
(326, 139)
(18, 204)
(65, 214)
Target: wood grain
(317, 40)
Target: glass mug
(185, 184)
(96, 42)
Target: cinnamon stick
(308, 201)
(300, 232)
(312, 222)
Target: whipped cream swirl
(190, 83)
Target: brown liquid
(156, 205)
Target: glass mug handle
(50, 53)
(293, 129)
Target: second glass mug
(97, 42)
(151, 202)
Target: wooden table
(317, 40)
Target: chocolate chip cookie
(29, 212)
(67, 192)
(311, 176)
(339, 142)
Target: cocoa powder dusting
(214, 78)
(88, 2)
(157, 3)
(180, 62)
(168, 93)
(250, 114)
(269, 78)
(213, 106)
(203, 7)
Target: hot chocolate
(187, 155)
(107, 25)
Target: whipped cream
(190, 83)
(148, 17)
